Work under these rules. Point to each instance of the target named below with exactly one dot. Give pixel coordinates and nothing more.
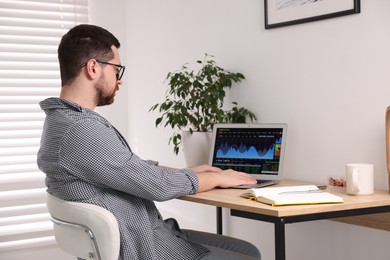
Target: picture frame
(280, 13)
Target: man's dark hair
(79, 45)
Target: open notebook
(256, 149)
(292, 195)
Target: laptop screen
(255, 148)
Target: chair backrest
(84, 230)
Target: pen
(299, 192)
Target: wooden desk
(379, 202)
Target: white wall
(329, 80)
(111, 16)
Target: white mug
(360, 178)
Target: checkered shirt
(86, 159)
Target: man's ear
(92, 69)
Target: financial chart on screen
(251, 150)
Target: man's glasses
(119, 73)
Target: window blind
(30, 32)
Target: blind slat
(48, 16)
(12, 39)
(44, 24)
(28, 91)
(20, 118)
(48, 5)
(30, 74)
(27, 243)
(20, 133)
(26, 228)
(27, 48)
(23, 210)
(31, 31)
(19, 142)
(18, 151)
(21, 177)
(8, 196)
(21, 125)
(19, 108)
(31, 85)
(20, 168)
(15, 160)
(23, 65)
(21, 181)
(24, 219)
(32, 57)
(20, 100)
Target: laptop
(256, 149)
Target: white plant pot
(196, 147)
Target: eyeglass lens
(120, 73)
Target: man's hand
(212, 177)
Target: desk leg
(219, 220)
(280, 242)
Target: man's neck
(77, 95)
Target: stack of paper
(292, 195)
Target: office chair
(84, 230)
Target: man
(87, 160)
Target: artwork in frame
(280, 13)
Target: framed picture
(288, 12)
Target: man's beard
(103, 99)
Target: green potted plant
(194, 101)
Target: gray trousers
(223, 247)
